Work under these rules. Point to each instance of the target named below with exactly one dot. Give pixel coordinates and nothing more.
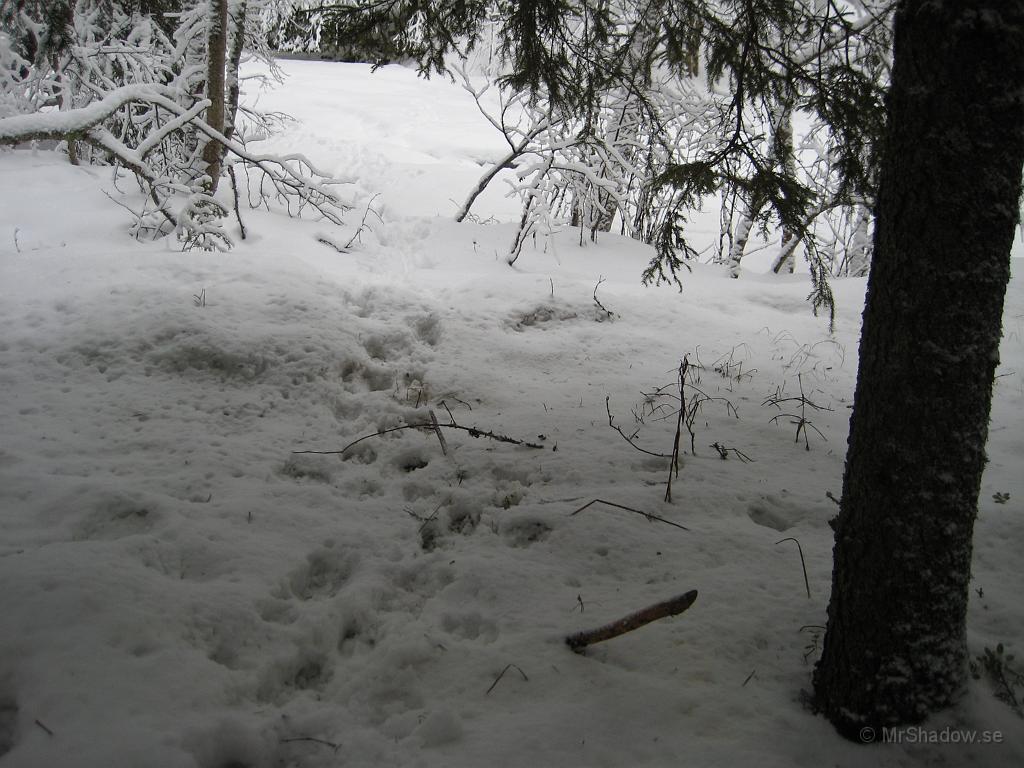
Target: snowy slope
(179, 588)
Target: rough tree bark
(895, 647)
(216, 53)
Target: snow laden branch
(519, 137)
(292, 179)
(78, 123)
(156, 94)
(596, 173)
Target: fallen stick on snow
(438, 432)
(579, 641)
(648, 515)
(433, 426)
(502, 674)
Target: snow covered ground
(178, 588)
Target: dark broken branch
(312, 740)
(579, 641)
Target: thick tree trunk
(216, 52)
(950, 184)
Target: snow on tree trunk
(895, 647)
(216, 53)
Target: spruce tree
(895, 648)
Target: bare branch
(648, 515)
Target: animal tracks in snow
(775, 512)
(324, 573)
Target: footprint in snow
(775, 513)
(324, 573)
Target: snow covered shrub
(306, 26)
(15, 94)
(152, 89)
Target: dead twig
(648, 515)
(799, 419)
(433, 515)
(433, 427)
(330, 243)
(363, 226)
(438, 432)
(312, 739)
(43, 726)
(579, 641)
(629, 439)
(234, 191)
(803, 564)
(502, 674)
(680, 420)
(425, 521)
(608, 314)
(457, 400)
(724, 451)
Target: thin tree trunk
(782, 123)
(216, 53)
(895, 647)
(781, 118)
(239, 11)
(858, 260)
(65, 99)
(739, 240)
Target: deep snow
(180, 589)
